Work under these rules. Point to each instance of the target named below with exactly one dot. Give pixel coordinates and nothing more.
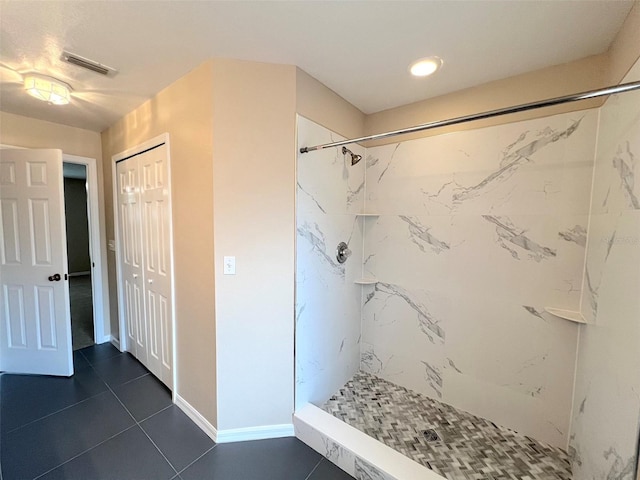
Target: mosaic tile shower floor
(468, 447)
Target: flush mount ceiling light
(47, 89)
(425, 66)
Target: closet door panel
(157, 266)
(130, 239)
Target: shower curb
(353, 451)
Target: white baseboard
(197, 418)
(114, 341)
(234, 434)
(79, 274)
(255, 433)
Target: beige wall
(325, 107)
(254, 220)
(585, 74)
(29, 132)
(625, 49)
(184, 110)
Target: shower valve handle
(342, 252)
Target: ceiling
(359, 49)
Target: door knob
(55, 278)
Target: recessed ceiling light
(425, 66)
(47, 89)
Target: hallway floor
(114, 420)
(81, 303)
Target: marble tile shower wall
(329, 193)
(477, 232)
(607, 400)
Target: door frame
(140, 148)
(97, 243)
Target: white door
(35, 322)
(130, 239)
(156, 264)
(144, 239)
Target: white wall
(607, 400)
(329, 193)
(478, 232)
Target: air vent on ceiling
(79, 61)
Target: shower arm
(622, 88)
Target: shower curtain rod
(624, 87)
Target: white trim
(116, 236)
(235, 434)
(197, 418)
(255, 433)
(97, 248)
(79, 274)
(114, 341)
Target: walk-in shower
(485, 325)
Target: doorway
(86, 252)
(78, 257)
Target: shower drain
(431, 435)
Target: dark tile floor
(114, 420)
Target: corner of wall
(624, 51)
(184, 110)
(325, 107)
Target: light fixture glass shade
(47, 89)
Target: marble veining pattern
(513, 160)
(329, 193)
(477, 232)
(428, 324)
(468, 447)
(606, 414)
(508, 233)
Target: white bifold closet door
(144, 220)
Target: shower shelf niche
(570, 315)
(367, 215)
(366, 281)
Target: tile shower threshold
(356, 453)
(450, 442)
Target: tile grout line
(109, 390)
(102, 359)
(194, 461)
(105, 440)
(314, 469)
(82, 453)
(57, 411)
(136, 423)
(133, 379)
(154, 414)
(142, 429)
(68, 406)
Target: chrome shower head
(354, 158)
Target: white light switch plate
(229, 265)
